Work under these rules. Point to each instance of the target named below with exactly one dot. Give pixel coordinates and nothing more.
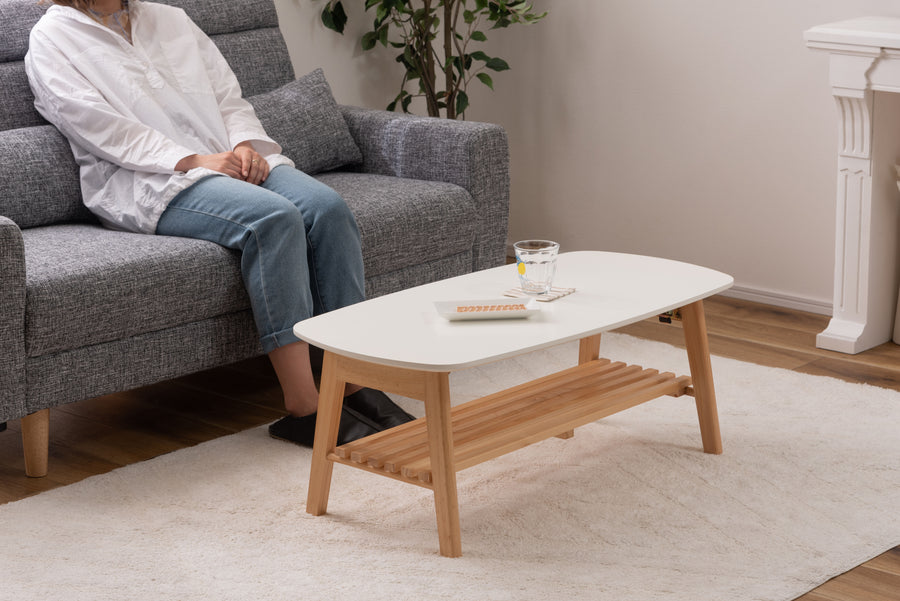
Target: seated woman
(166, 144)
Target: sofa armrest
(474, 156)
(12, 321)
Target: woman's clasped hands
(242, 163)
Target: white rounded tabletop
(404, 329)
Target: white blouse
(132, 111)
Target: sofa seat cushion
(406, 222)
(86, 285)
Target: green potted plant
(434, 39)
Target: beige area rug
(629, 509)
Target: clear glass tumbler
(536, 263)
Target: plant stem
(449, 27)
(425, 58)
(462, 82)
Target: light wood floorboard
(98, 435)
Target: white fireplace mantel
(864, 57)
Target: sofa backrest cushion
(40, 178)
(16, 101)
(17, 17)
(246, 32)
(304, 118)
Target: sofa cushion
(40, 178)
(16, 100)
(86, 284)
(406, 222)
(258, 57)
(247, 34)
(17, 17)
(215, 17)
(304, 118)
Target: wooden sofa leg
(36, 442)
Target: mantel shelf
(874, 32)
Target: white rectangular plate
(492, 308)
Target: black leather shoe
(2, 426)
(378, 407)
(302, 430)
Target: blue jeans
(300, 247)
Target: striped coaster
(554, 294)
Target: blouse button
(154, 78)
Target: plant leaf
(462, 102)
(479, 36)
(334, 17)
(369, 39)
(381, 13)
(486, 79)
(497, 64)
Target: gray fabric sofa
(87, 311)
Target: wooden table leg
(588, 350)
(695, 339)
(443, 469)
(328, 420)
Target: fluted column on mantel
(853, 214)
(867, 205)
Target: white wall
(699, 130)
(359, 78)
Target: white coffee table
(398, 343)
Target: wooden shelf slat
(514, 418)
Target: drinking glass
(536, 263)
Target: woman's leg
(300, 256)
(336, 270)
(291, 363)
(334, 251)
(270, 233)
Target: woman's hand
(254, 167)
(223, 162)
(242, 163)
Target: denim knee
(330, 209)
(281, 219)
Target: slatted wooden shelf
(514, 418)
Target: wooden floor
(99, 435)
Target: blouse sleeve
(240, 120)
(68, 101)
